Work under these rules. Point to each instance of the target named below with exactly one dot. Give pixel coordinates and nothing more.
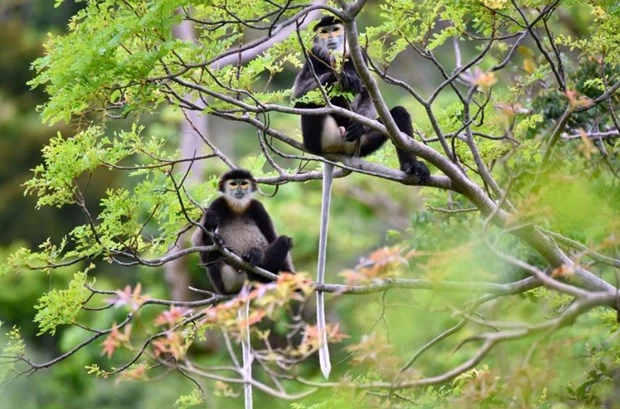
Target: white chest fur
(241, 234)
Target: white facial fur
(238, 194)
(331, 37)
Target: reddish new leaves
(115, 339)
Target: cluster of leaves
(14, 346)
(59, 307)
(179, 328)
(122, 65)
(129, 218)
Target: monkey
(240, 223)
(336, 134)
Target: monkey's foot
(418, 169)
(285, 241)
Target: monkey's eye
(232, 184)
(244, 184)
(323, 31)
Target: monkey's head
(329, 33)
(238, 187)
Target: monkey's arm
(363, 106)
(200, 238)
(350, 79)
(319, 60)
(260, 216)
(305, 81)
(210, 221)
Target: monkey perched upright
(333, 133)
(337, 134)
(243, 225)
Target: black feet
(417, 169)
(285, 241)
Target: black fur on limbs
(334, 133)
(246, 230)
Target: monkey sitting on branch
(328, 65)
(329, 62)
(241, 223)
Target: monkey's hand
(252, 256)
(323, 55)
(351, 82)
(220, 242)
(355, 130)
(418, 169)
(328, 78)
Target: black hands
(252, 256)
(274, 258)
(328, 78)
(348, 81)
(351, 82)
(355, 130)
(283, 243)
(212, 220)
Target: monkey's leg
(408, 162)
(274, 257)
(371, 142)
(341, 102)
(225, 278)
(324, 361)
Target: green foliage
(604, 38)
(24, 259)
(112, 58)
(599, 380)
(95, 370)
(59, 307)
(345, 398)
(67, 159)
(404, 22)
(12, 349)
(187, 401)
(81, 67)
(120, 60)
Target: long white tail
(325, 363)
(246, 354)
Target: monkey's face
(331, 37)
(239, 193)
